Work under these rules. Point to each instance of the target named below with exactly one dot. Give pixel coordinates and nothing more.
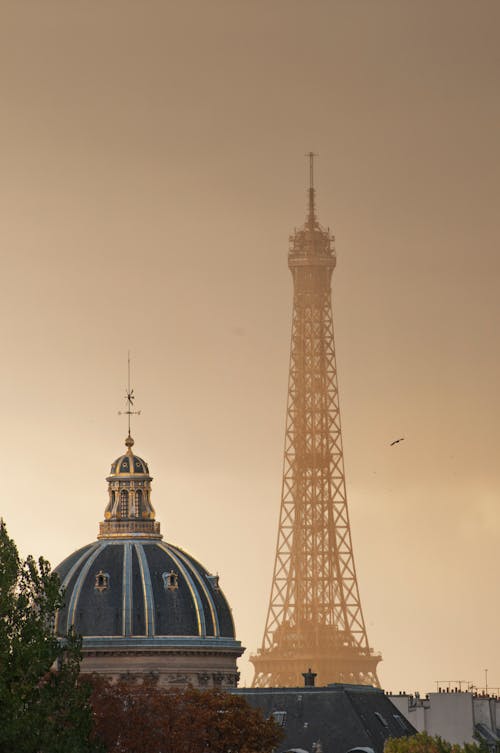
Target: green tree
(43, 708)
(424, 743)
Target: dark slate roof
(340, 717)
(129, 464)
(487, 735)
(117, 589)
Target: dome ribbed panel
(204, 589)
(145, 575)
(138, 613)
(69, 571)
(176, 612)
(222, 609)
(225, 615)
(129, 464)
(186, 574)
(100, 612)
(136, 602)
(65, 566)
(127, 589)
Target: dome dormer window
(101, 581)
(171, 581)
(214, 582)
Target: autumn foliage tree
(133, 717)
(424, 743)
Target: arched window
(123, 503)
(138, 503)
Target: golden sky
(151, 171)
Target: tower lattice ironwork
(315, 617)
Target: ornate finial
(129, 402)
(311, 219)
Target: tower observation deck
(314, 617)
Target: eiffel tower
(314, 618)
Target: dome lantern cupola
(129, 512)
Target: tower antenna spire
(311, 219)
(129, 403)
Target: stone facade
(457, 716)
(202, 670)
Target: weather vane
(129, 400)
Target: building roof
(337, 717)
(132, 589)
(129, 464)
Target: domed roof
(129, 464)
(130, 591)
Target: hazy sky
(151, 170)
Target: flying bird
(401, 439)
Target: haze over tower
(315, 617)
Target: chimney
(309, 678)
